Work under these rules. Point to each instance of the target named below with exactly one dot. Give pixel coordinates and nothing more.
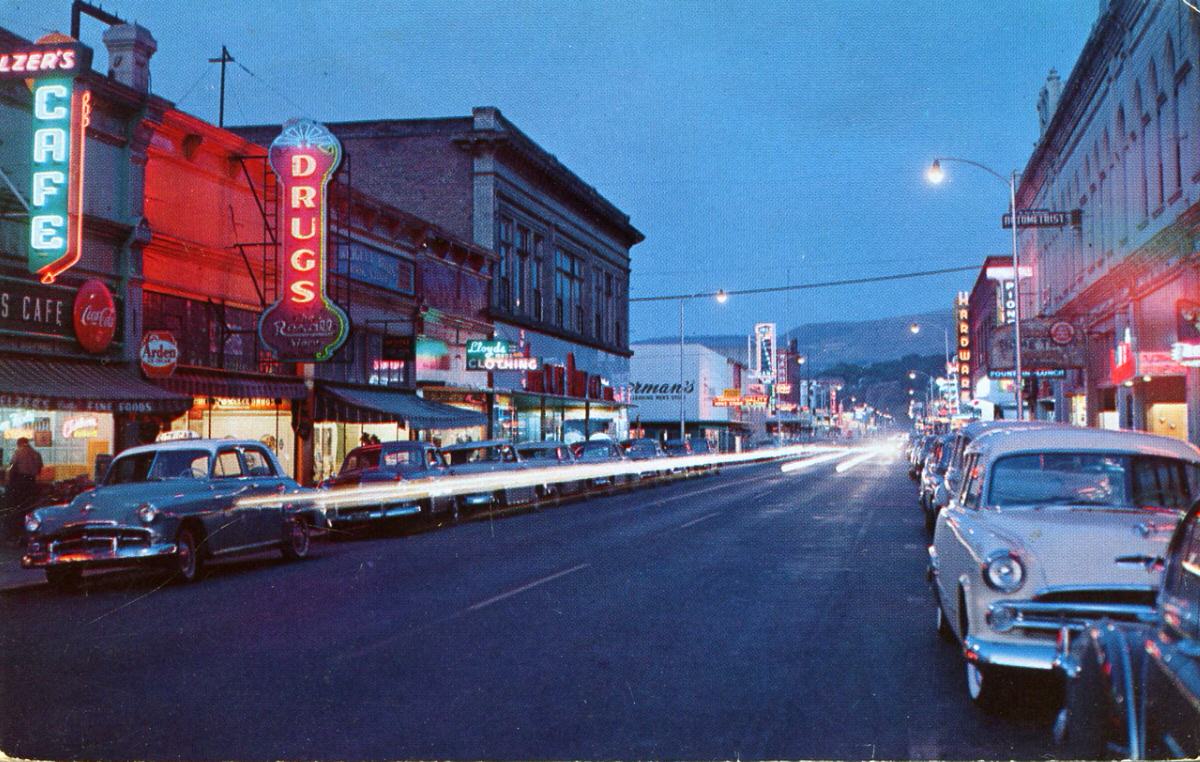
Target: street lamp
(722, 297)
(915, 328)
(935, 175)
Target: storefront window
(262, 420)
(68, 441)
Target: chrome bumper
(359, 515)
(1005, 654)
(39, 557)
(480, 498)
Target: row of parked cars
(1073, 553)
(182, 503)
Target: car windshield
(539, 453)
(642, 449)
(158, 465)
(405, 458)
(475, 455)
(595, 451)
(1080, 479)
(700, 447)
(359, 460)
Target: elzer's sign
(1042, 218)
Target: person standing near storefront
(22, 485)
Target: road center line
(523, 588)
(697, 521)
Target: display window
(68, 441)
(262, 420)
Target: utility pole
(223, 60)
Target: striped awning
(88, 386)
(201, 384)
(356, 405)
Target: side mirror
(941, 496)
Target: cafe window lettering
(209, 334)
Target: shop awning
(355, 405)
(200, 384)
(64, 385)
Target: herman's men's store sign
(304, 325)
(61, 114)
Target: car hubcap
(185, 556)
(974, 680)
(299, 537)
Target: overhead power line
(804, 286)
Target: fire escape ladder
(270, 238)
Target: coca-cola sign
(95, 316)
(159, 354)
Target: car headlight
(1004, 572)
(147, 513)
(32, 523)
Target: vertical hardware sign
(61, 114)
(304, 325)
(962, 321)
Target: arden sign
(61, 114)
(159, 354)
(304, 325)
(1042, 218)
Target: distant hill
(851, 342)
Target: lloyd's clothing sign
(304, 325)
(61, 114)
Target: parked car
(551, 454)
(596, 451)
(933, 476)
(175, 504)
(494, 456)
(389, 462)
(700, 446)
(1052, 528)
(1133, 690)
(644, 449)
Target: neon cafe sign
(304, 325)
(61, 114)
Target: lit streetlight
(721, 297)
(935, 174)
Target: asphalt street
(753, 614)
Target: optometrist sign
(61, 114)
(304, 325)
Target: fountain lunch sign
(61, 114)
(304, 325)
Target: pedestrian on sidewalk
(22, 486)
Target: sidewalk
(12, 576)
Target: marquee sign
(962, 357)
(61, 115)
(304, 325)
(764, 356)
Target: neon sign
(61, 115)
(304, 325)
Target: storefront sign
(1187, 355)
(497, 354)
(95, 316)
(1038, 348)
(962, 358)
(159, 354)
(61, 114)
(764, 356)
(724, 401)
(1029, 373)
(1186, 351)
(1062, 333)
(755, 401)
(1042, 218)
(783, 389)
(1158, 364)
(81, 427)
(1006, 302)
(304, 325)
(1122, 360)
(33, 308)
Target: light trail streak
(470, 484)
(870, 454)
(797, 465)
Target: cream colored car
(1052, 528)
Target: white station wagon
(1052, 528)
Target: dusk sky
(754, 144)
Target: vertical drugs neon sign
(304, 325)
(61, 115)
